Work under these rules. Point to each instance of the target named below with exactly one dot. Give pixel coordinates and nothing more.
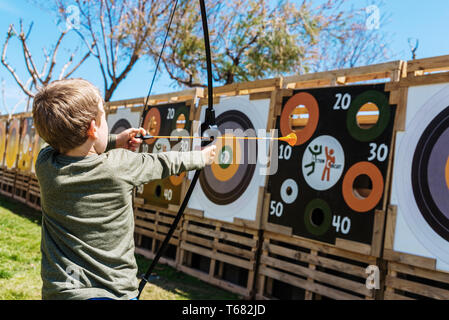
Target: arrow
(290, 139)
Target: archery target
(122, 119)
(421, 162)
(26, 146)
(38, 144)
(165, 120)
(323, 162)
(330, 184)
(12, 146)
(3, 123)
(229, 188)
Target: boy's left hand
(126, 139)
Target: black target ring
(422, 158)
(215, 190)
(120, 126)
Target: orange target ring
(227, 158)
(152, 124)
(300, 99)
(358, 203)
(176, 180)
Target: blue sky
(426, 20)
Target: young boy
(86, 179)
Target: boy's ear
(92, 131)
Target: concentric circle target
(229, 176)
(180, 119)
(289, 191)
(2, 140)
(152, 124)
(308, 101)
(381, 102)
(421, 171)
(120, 126)
(317, 217)
(356, 202)
(12, 147)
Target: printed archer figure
(330, 160)
(317, 150)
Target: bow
(209, 123)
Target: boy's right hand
(209, 154)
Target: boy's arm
(141, 168)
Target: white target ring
(402, 194)
(289, 191)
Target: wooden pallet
(151, 227)
(219, 253)
(390, 71)
(21, 187)
(292, 268)
(34, 194)
(407, 282)
(8, 182)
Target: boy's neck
(84, 150)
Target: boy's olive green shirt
(87, 218)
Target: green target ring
(317, 217)
(381, 101)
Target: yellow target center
(223, 168)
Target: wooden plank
(221, 235)
(394, 296)
(417, 288)
(321, 247)
(439, 276)
(317, 275)
(304, 284)
(353, 246)
(316, 260)
(413, 260)
(390, 227)
(429, 64)
(249, 265)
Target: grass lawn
(20, 234)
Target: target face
(225, 181)
(122, 119)
(166, 120)
(12, 146)
(323, 162)
(330, 184)
(25, 149)
(422, 161)
(2, 140)
(230, 187)
(38, 144)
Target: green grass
(20, 258)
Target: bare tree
(118, 31)
(38, 77)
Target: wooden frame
(260, 89)
(319, 270)
(412, 276)
(221, 246)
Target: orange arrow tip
(290, 139)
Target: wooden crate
(8, 182)
(408, 282)
(151, 227)
(291, 268)
(21, 187)
(219, 253)
(390, 71)
(34, 193)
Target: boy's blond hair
(63, 111)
